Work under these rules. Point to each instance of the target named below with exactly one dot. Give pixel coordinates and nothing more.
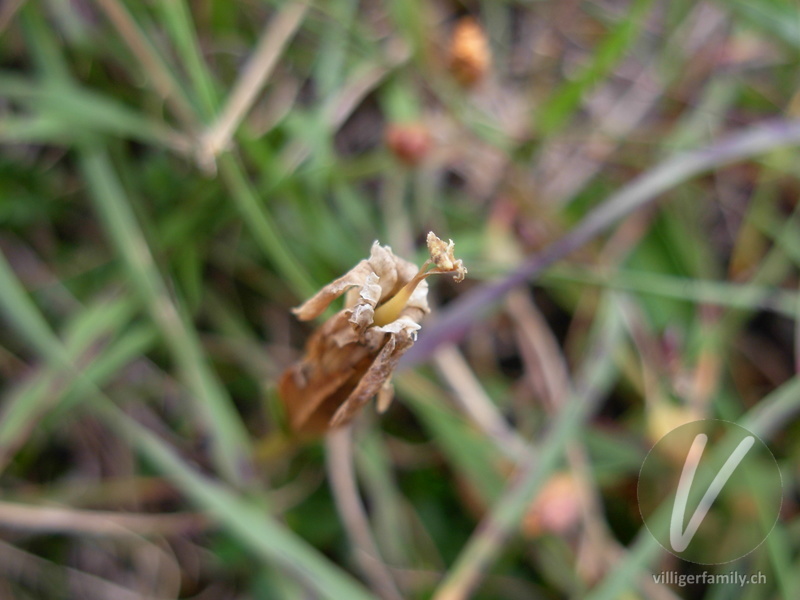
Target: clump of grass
(174, 177)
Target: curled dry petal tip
(350, 358)
(442, 256)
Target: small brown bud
(470, 56)
(409, 142)
(556, 509)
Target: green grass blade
(264, 229)
(66, 113)
(245, 521)
(178, 20)
(230, 443)
(554, 114)
(486, 543)
(248, 522)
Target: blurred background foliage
(175, 175)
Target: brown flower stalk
(350, 358)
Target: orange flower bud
(556, 509)
(470, 56)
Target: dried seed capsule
(351, 357)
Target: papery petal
(316, 305)
(364, 311)
(404, 324)
(379, 372)
(419, 297)
(349, 359)
(384, 264)
(302, 400)
(385, 397)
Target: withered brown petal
(381, 263)
(350, 358)
(363, 312)
(376, 376)
(316, 305)
(313, 388)
(302, 401)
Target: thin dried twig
(272, 42)
(339, 447)
(477, 404)
(545, 364)
(454, 322)
(7, 13)
(487, 541)
(49, 519)
(151, 62)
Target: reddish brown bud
(409, 142)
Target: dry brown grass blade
(150, 62)
(49, 519)
(546, 368)
(476, 403)
(342, 477)
(272, 42)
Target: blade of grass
(47, 58)
(388, 508)
(246, 522)
(49, 393)
(475, 402)
(721, 293)
(178, 21)
(267, 538)
(778, 17)
(7, 13)
(764, 420)
(152, 65)
(20, 413)
(555, 113)
(230, 443)
(45, 389)
(273, 40)
(81, 109)
(470, 453)
(66, 112)
(334, 40)
(486, 543)
(264, 230)
(344, 487)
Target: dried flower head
(350, 358)
(470, 56)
